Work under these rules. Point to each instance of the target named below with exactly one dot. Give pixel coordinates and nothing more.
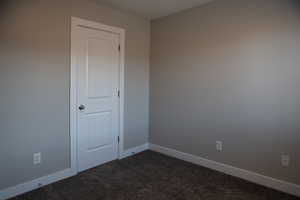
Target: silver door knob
(81, 107)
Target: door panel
(99, 54)
(99, 127)
(97, 60)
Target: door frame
(73, 89)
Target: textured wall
(229, 71)
(35, 76)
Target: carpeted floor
(152, 176)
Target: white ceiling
(153, 9)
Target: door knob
(81, 107)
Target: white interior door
(97, 61)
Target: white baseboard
(42, 181)
(227, 169)
(276, 184)
(34, 184)
(134, 150)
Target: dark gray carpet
(152, 176)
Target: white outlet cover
(285, 160)
(37, 158)
(219, 145)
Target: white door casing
(98, 70)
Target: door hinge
(119, 93)
(119, 48)
(118, 139)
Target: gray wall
(35, 76)
(229, 71)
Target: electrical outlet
(285, 160)
(37, 158)
(219, 146)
